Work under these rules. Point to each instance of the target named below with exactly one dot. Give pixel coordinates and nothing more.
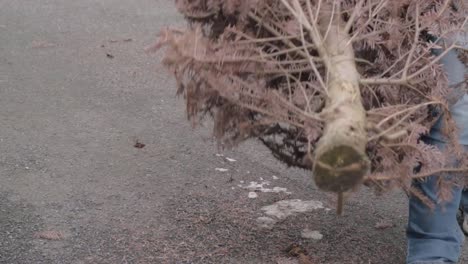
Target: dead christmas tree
(344, 88)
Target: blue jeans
(434, 236)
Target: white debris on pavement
(311, 234)
(241, 181)
(275, 177)
(282, 209)
(280, 189)
(259, 187)
(219, 155)
(285, 208)
(221, 169)
(253, 195)
(230, 160)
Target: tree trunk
(340, 157)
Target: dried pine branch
(345, 88)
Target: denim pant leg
(465, 201)
(434, 236)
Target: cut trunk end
(340, 168)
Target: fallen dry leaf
(297, 251)
(304, 259)
(50, 235)
(139, 145)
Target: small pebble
(314, 234)
(253, 195)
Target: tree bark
(340, 157)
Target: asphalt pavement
(98, 163)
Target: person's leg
(434, 236)
(464, 200)
(464, 209)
